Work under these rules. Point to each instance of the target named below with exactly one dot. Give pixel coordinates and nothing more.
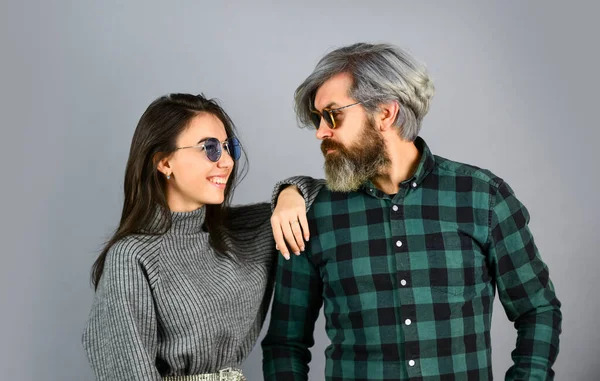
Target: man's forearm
(537, 344)
(284, 361)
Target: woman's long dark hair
(155, 138)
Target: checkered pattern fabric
(407, 282)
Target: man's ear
(387, 115)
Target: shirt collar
(426, 165)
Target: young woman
(183, 286)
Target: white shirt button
(411, 363)
(399, 243)
(403, 282)
(407, 322)
(395, 208)
(414, 184)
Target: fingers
(290, 230)
(296, 238)
(290, 238)
(278, 236)
(304, 225)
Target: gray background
(516, 93)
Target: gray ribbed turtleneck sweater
(170, 305)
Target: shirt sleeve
(121, 334)
(296, 305)
(524, 288)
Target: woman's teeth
(218, 180)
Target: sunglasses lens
(212, 146)
(315, 118)
(235, 150)
(328, 119)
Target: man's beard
(347, 169)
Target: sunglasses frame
(329, 111)
(224, 144)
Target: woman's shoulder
(248, 229)
(248, 217)
(137, 250)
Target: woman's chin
(213, 200)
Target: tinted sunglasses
(327, 115)
(214, 148)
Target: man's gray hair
(381, 73)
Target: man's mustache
(330, 144)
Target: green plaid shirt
(408, 281)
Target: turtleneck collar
(188, 222)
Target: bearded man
(407, 249)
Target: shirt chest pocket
(455, 262)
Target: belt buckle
(223, 374)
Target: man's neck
(404, 157)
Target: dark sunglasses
(214, 148)
(327, 115)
